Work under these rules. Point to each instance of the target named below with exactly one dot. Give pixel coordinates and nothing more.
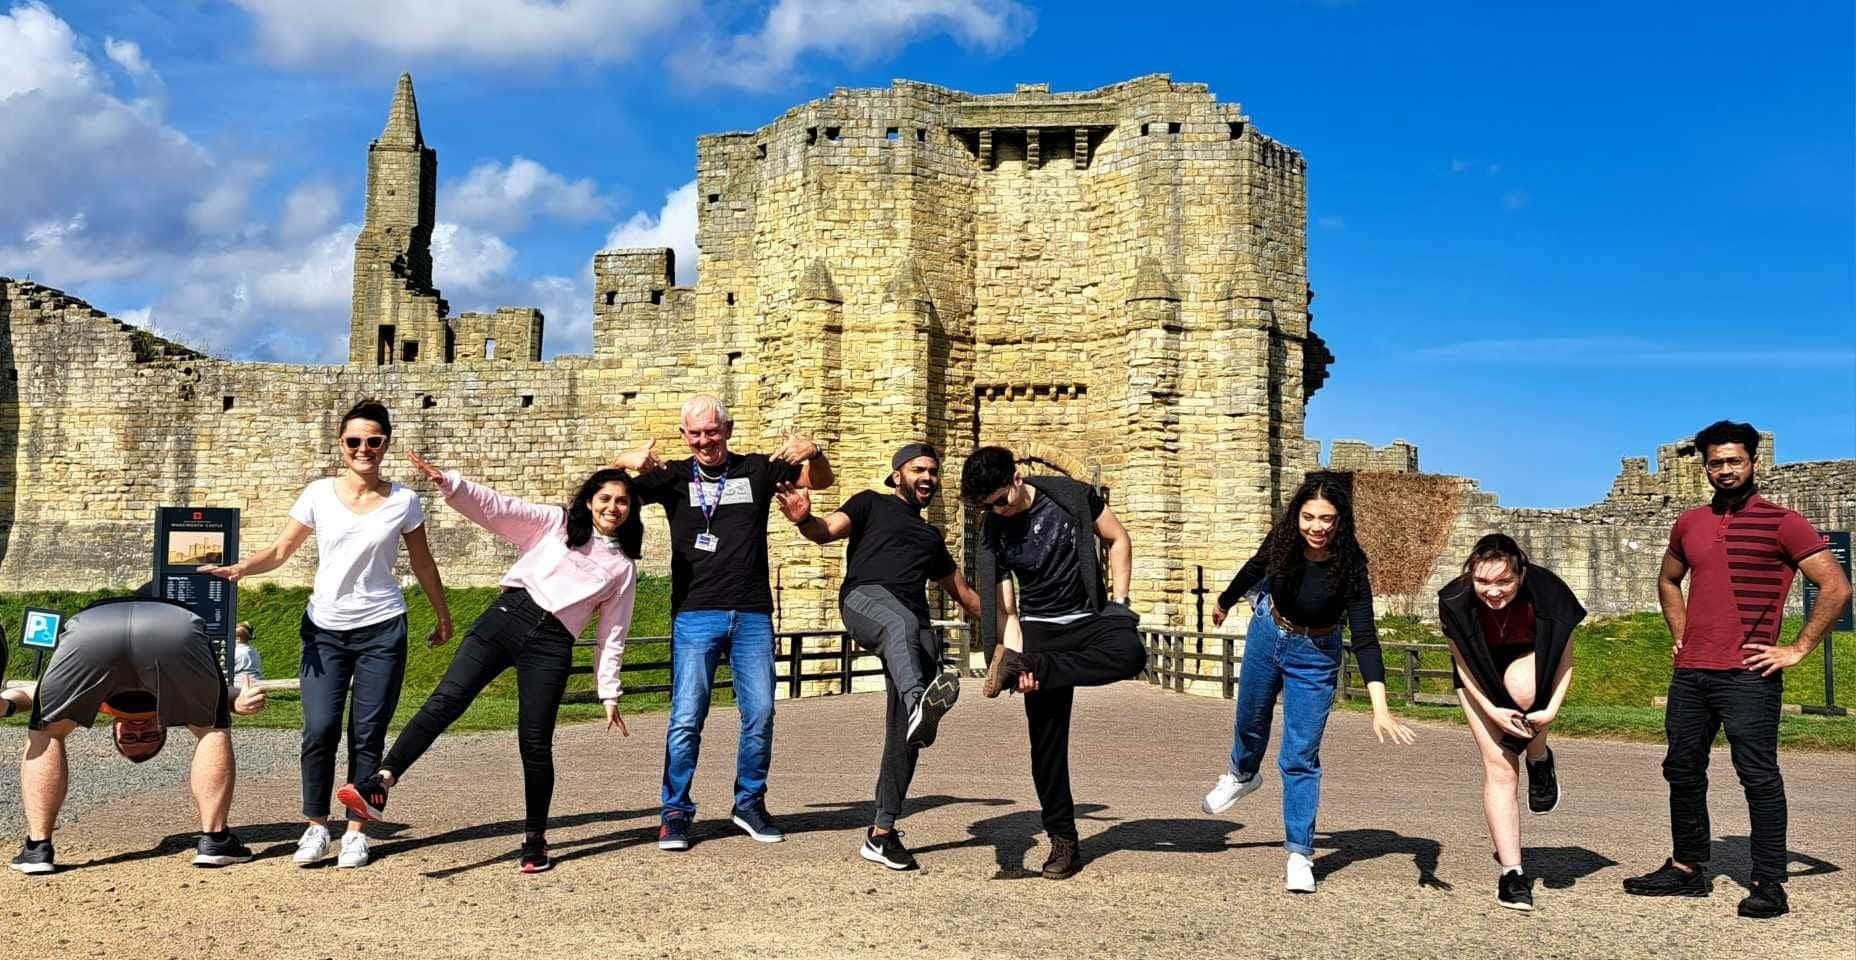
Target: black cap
(909, 451)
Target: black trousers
(514, 632)
(1096, 650)
(359, 669)
(1746, 705)
(911, 651)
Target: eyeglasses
(1725, 463)
(152, 736)
(373, 442)
(995, 503)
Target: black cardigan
(1556, 612)
(1071, 495)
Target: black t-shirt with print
(1039, 547)
(733, 576)
(894, 548)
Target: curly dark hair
(1282, 549)
(986, 470)
(580, 514)
(1727, 431)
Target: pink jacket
(571, 583)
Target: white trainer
(1299, 876)
(354, 850)
(1228, 791)
(313, 845)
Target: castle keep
(1113, 281)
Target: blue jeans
(1304, 670)
(697, 639)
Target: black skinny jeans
(360, 670)
(1096, 650)
(1746, 705)
(911, 651)
(514, 632)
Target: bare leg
(214, 771)
(43, 778)
(1501, 775)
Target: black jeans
(514, 632)
(1096, 650)
(360, 669)
(911, 651)
(1702, 703)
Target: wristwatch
(1127, 602)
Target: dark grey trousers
(911, 654)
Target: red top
(1741, 565)
(1511, 626)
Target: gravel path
(1403, 856)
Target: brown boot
(1063, 862)
(1002, 673)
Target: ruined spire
(908, 285)
(403, 120)
(1151, 283)
(817, 285)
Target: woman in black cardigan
(1510, 626)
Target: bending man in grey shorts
(147, 663)
(884, 603)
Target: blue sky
(1541, 239)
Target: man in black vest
(1040, 584)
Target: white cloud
(309, 210)
(41, 54)
(499, 197)
(851, 30)
(673, 226)
(127, 54)
(466, 259)
(497, 31)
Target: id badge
(707, 542)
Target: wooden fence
(1177, 659)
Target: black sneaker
(754, 821)
(1669, 880)
(1002, 673)
(34, 857)
(222, 852)
(1543, 786)
(1766, 901)
(535, 855)
(936, 699)
(1063, 861)
(887, 849)
(367, 800)
(674, 834)
(1515, 891)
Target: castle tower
(398, 316)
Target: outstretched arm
(265, 560)
(517, 521)
(796, 505)
(814, 467)
(962, 592)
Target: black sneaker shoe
(34, 857)
(754, 821)
(887, 849)
(535, 855)
(1002, 673)
(1543, 786)
(1766, 901)
(1063, 861)
(1515, 891)
(674, 834)
(1669, 880)
(936, 699)
(222, 852)
(366, 800)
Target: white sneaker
(354, 850)
(1299, 877)
(1228, 791)
(313, 846)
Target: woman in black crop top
(1311, 576)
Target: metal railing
(1176, 658)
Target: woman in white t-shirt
(354, 632)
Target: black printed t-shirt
(1039, 547)
(734, 575)
(894, 548)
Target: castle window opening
(657, 295)
(409, 351)
(612, 297)
(734, 357)
(528, 399)
(385, 352)
(1143, 129)
(489, 349)
(628, 396)
(714, 197)
(1237, 130)
(760, 151)
(893, 133)
(226, 403)
(831, 133)
(1172, 128)
(427, 401)
(731, 298)
(921, 135)
(811, 136)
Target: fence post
(796, 662)
(779, 590)
(1411, 675)
(1230, 674)
(1198, 602)
(844, 662)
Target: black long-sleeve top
(1314, 603)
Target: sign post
(186, 539)
(41, 634)
(1840, 549)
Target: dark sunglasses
(153, 736)
(998, 501)
(374, 442)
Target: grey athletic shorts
(134, 645)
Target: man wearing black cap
(149, 664)
(884, 603)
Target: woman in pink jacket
(574, 563)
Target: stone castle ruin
(1113, 282)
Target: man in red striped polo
(1742, 551)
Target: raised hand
(795, 447)
(251, 697)
(616, 722)
(639, 459)
(424, 466)
(1218, 615)
(795, 501)
(229, 574)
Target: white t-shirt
(355, 586)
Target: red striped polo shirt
(1741, 564)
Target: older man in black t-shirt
(884, 603)
(1039, 568)
(716, 502)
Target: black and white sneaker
(222, 852)
(887, 850)
(1515, 891)
(754, 820)
(1543, 786)
(936, 699)
(34, 857)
